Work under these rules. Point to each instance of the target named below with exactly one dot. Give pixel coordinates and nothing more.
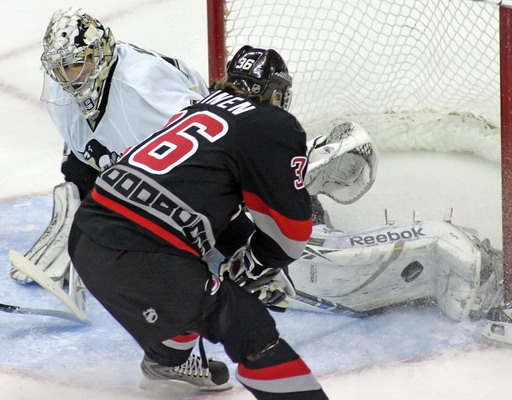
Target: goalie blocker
(393, 264)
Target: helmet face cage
(261, 72)
(76, 41)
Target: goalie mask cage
(418, 75)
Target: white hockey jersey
(145, 91)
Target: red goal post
(506, 142)
(399, 67)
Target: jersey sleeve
(81, 174)
(272, 163)
(235, 235)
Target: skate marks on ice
(472, 375)
(50, 355)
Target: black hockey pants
(155, 296)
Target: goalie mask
(78, 52)
(261, 72)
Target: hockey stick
(306, 301)
(25, 266)
(42, 311)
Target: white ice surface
(400, 355)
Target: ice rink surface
(401, 354)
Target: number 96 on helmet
(261, 72)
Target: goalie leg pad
(367, 270)
(49, 252)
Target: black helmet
(261, 72)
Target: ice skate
(215, 377)
(499, 325)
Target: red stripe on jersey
(280, 371)
(291, 228)
(185, 338)
(144, 222)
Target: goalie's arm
(81, 174)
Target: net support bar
(506, 141)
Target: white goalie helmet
(78, 52)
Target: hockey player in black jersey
(139, 237)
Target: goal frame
(506, 143)
(217, 59)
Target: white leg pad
(50, 251)
(388, 265)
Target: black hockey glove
(266, 283)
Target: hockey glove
(266, 283)
(342, 165)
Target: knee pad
(240, 322)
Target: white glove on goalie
(342, 165)
(271, 285)
(50, 252)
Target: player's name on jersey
(233, 104)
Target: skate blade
(157, 385)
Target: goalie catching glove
(271, 285)
(342, 165)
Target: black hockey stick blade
(43, 311)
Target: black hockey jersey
(179, 189)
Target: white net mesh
(416, 74)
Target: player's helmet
(262, 72)
(74, 38)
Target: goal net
(416, 74)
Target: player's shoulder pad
(272, 127)
(140, 67)
(276, 119)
